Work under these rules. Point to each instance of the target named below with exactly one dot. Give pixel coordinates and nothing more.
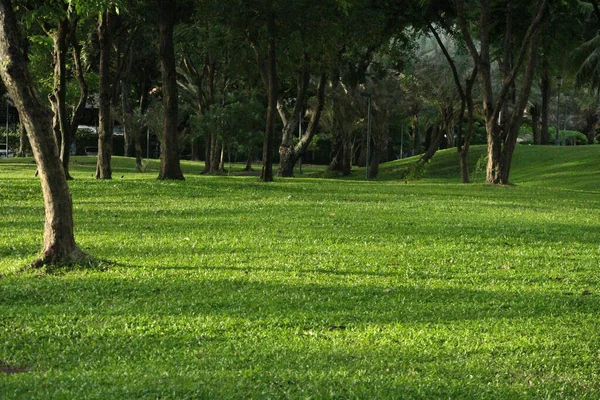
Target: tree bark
(59, 240)
(105, 119)
(170, 167)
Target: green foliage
(223, 287)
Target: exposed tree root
(75, 260)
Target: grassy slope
(227, 288)
(576, 168)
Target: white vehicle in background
(89, 129)
(4, 152)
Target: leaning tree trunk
(59, 240)
(301, 147)
(170, 167)
(105, 120)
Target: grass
(222, 287)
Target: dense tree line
(212, 77)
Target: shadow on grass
(298, 304)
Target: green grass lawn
(223, 287)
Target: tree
(106, 28)
(59, 240)
(463, 140)
(169, 157)
(502, 133)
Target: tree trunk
(517, 116)
(207, 152)
(248, 167)
(380, 151)
(414, 128)
(214, 154)
(170, 167)
(62, 128)
(346, 156)
(59, 241)
(23, 141)
(287, 158)
(535, 124)
(362, 154)
(291, 157)
(83, 87)
(337, 152)
(137, 134)
(105, 119)
(266, 174)
(498, 160)
(436, 139)
(545, 88)
(222, 160)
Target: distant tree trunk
(535, 124)
(215, 151)
(207, 152)
(337, 140)
(414, 128)
(436, 138)
(59, 241)
(545, 88)
(463, 141)
(517, 116)
(379, 152)
(137, 135)
(346, 156)
(337, 151)
(81, 82)
(266, 174)
(287, 158)
(23, 141)
(170, 167)
(248, 166)
(105, 119)
(362, 154)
